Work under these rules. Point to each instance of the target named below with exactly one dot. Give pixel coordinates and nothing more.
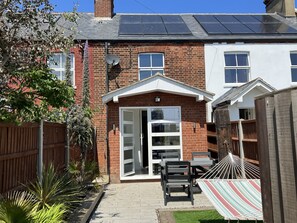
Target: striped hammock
(233, 190)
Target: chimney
(103, 9)
(283, 7)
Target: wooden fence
(277, 136)
(19, 148)
(249, 139)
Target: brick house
(148, 83)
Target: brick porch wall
(183, 62)
(191, 112)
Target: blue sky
(167, 6)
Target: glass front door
(164, 127)
(146, 133)
(128, 141)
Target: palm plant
(20, 207)
(91, 171)
(55, 189)
(17, 207)
(54, 213)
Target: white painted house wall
(271, 62)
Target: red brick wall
(183, 62)
(191, 112)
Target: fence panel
(249, 139)
(278, 149)
(19, 148)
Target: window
(57, 64)
(237, 68)
(149, 64)
(247, 113)
(293, 57)
(165, 127)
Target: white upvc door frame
(150, 134)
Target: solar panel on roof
(206, 18)
(246, 19)
(237, 28)
(266, 19)
(172, 19)
(283, 28)
(177, 28)
(215, 28)
(243, 24)
(226, 19)
(130, 19)
(153, 25)
(131, 29)
(151, 19)
(265, 28)
(291, 30)
(153, 29)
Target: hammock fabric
(234, 199)
(233, 187)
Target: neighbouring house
(153, 78)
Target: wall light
(194, 126)
(157, 99)
(113, 128)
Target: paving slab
(139, 203)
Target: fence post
(67, 155)
(223, 129)
(40, 150)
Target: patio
(138, 203)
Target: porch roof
(236, 94)
(158, 83)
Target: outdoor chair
(177, 175)
(169, 156)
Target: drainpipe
(106, 91)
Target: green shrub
(55, 189)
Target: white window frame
(293, 66)
(150, 68)
(237, 67)
(60, 68)
(249, 112)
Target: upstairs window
(149, 64)
(293, 57)
(57, 63)
(237, 68)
